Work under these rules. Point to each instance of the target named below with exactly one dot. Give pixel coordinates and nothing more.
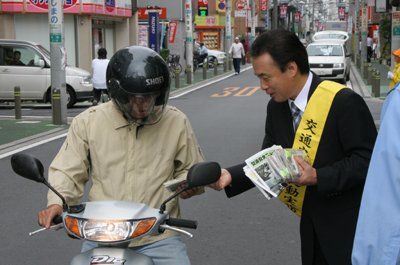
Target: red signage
(240, 4)
(144, 12)
(297, 16)
(264, 5)
(44, 4)
(211, 21)
(202, 2)
(341, 11)
(172, 31)
(283, 11)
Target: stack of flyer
(271, 169)
(171, 185)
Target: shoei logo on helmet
(154, 81)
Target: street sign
(240, 4)
(153, 38)
(240, 13)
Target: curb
(19, 145)
(358, 83)
(209, 81)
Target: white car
(32, 74)
(330, 60)
(215, 54)
(331, 35)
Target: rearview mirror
(28, 166)
(41, 63)
(202, 174)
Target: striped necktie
(296, 117)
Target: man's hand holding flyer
(271, 169)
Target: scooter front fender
(111, 255)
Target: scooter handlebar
(57, 220)
(182, 223)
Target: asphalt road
(228, 119)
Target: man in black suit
(335, 181)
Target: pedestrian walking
(370, 43)
(237, 51)
(99, 67)
(245, 47)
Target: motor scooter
(114, 224)
(198, 61)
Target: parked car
(215, 54)
(31, 72)
(330, 60)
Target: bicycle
(173, 64)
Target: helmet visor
(141, 108)
(142, 105)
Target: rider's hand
(309, 175)
(223, 181)
(46, 216)
(188, 193)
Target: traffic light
(202, 11)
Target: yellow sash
(308, 136)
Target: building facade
(88, 25)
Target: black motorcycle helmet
(138, 83)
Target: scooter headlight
(108, 230)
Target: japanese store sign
(55, 21)
(172, 31)
(283, 11)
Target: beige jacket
(125, 164)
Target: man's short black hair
(284, 47)
(102, 52)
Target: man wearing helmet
(203, 52)
(131, 146)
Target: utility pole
(313, 19)
(253, 21)
(228, 30)
(395, 44)
(189, 37)
(350, 26)
(58, 61)
(356, 28)
(364, 33)
(275, 15)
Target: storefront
(88, 26)
(211, 30)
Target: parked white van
(27, 65)
(330, 35)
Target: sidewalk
(384, 82)
(198, 77)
